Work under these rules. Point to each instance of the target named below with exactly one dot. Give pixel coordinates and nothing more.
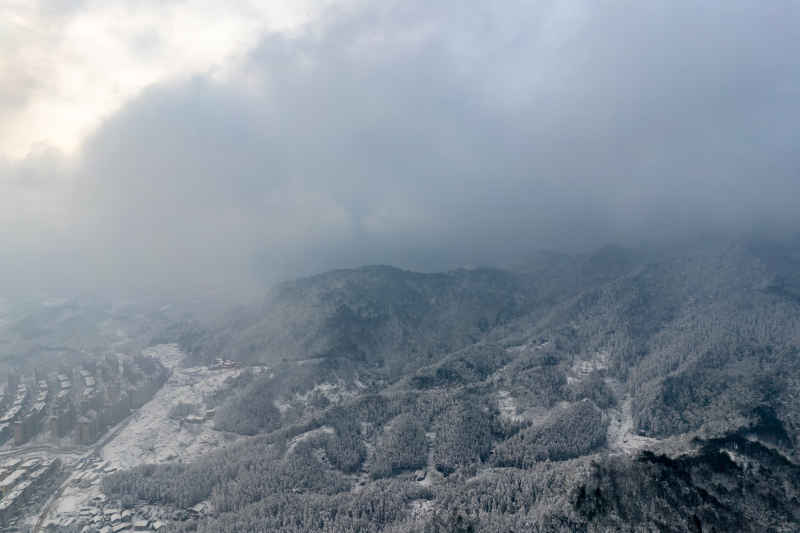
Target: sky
(190, 145)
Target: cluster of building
(19, 478)
(125, 387)
(30, 422)
(195, 418)
(220, 364)
(102, 518)
(14, 410)
(98, 514)
(83, 401)
(114, 520)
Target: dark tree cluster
(249, 411)
(464, 436)
(470, 365)
(575, 431)
(403, 446)
(231, 478)
(345, 448)
(379, 507)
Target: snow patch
(421, 509)
(507, 406)
(333, 392)
(152, 437)
(621, 437)
(581, 369)
(324, 430)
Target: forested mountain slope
(386, 316)
(376, 315)
(695, 339)
(616, 391)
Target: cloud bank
(428, 135)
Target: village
(76, 404)
(51, 420)
(99, 515)
(151, 434)
(20, 480)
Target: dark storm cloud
(433, 134)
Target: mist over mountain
(399, 266)
(624, 389)
(378, 132)
(722, 313)
(618, 390)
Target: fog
(428, 135)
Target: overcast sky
(197, 145)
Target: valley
(382, 400)
(148, 436)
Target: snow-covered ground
(621, 437)
(150, 436)
(507, 406)
(334, 392)
(582, 368)
(324, 430)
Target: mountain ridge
(614, 370)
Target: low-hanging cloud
(434, 134)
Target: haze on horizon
(193, 147)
